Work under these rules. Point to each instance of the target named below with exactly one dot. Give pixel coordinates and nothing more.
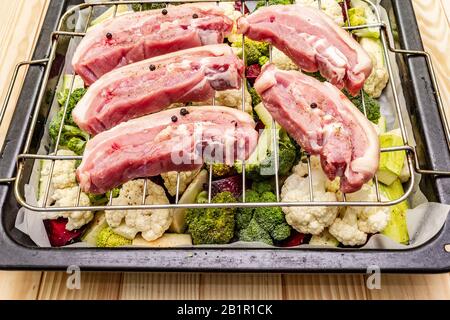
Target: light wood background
(20, 24)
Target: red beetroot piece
(58, 235)
(252, 72)
(294, 239)
(232, 184)
(238, 7)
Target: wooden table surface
(21, 20)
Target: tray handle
(8, 97)
(437, 93)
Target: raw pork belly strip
(324, 122)
(142, 35)
(165, 141)
(152, 85)
(313, 41)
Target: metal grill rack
(61, 32)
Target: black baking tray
(17, 251)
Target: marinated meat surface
(313, 41)
(152, 85)
(172, 140)
(142, 35)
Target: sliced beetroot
(295, 239)
(232, 184)
(58, 235)
(252, 72)
(238, 7)
(259, 126)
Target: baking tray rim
(16, 256)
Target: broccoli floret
(372, 105)
(262, 3)
(262, 186)
(212, 225)
(76, 96)
(269, 217)
(244, 215)
(76, 145)
(147, 6)
(262, 223)
(107, 238)
(262, 162)
(281, 232)
(220, 170)
(253, 50)
(263, 60)
(256, 99)
(268, 196)
(72, 136)
(102, 199)
(254, 233)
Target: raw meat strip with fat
(324, 122)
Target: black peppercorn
(109, 35)
(164, 11)
(313, 105)
(184, 111)
(152, 67)
(195, 16)
(174, 119)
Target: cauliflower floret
(233, 98)
(329, 7)
(68, 198)
(282, 61)
(356, 222)
(302, 170)
(63, 173)
(379, 77)
(370, 219)
(170, 180)
(311, 220)
(151, 223)
(229, 10)
(346, 230)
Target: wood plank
(241, 286)
(93, 285)
(19, 285)
(21, 22)
(435, 32)
(160, 286)
(19, 30)
(446, 6)
(413, 287)
(333, 287)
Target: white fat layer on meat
(266, 81)
(185, 64)
(324, 48)
(338, 58)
